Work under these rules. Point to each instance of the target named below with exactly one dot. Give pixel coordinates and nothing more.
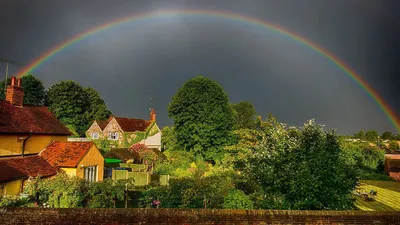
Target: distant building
(123, 132)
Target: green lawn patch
(387, 199)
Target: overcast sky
(127, 64)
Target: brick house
(123, 132)
(81, 159)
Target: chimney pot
(152, 115)
(12, 81)
(19, 82)
(15, 94)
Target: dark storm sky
(127, 64)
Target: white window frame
(113, 135)
(90, 173)
(95, 135)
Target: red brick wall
(190, 216)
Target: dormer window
(113, 135)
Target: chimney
(15, 92)
(152, 115)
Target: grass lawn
(387, 199)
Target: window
(113, 135)
(95, 135)
(91, 173)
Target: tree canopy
(202, 117)
(301, 168)
(75, 106)
(243, 115)
(387, 135)
(371, 135)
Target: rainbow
(222, 15)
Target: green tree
(69, 102)
(387, 135)
(371, 135)
(202, 117)
(75, 106)
(360, 135)
(243, 115)
(168, 139)
(302, 168)
(97, 108)
(2, 90)
(34, 91)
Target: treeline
(75, 106)
(372, 135)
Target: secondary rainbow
(232, 17)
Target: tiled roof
(35, 119)
(65, 154)
(131, 125)
(23, 167)
(102, 123)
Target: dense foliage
(72, 192)
(244, 115)
(368, 160)
(195, 191)
(75, 106)
(301, 168)
(202, 118)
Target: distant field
(387, 199)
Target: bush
(13, 201)
(365, 158)
(237, 199)
(197, 191)
(73, 192)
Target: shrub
(237, 199)
(13, 201)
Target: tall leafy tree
(34, 91)
(168, 139)
(202, 117)
(76, 106)
(301, 168)
(371, 135)
(360, 135)
(387, 135)
(243, 115)
(97, 109)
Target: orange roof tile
(23, 167)
(27, 119)
(65, 154)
